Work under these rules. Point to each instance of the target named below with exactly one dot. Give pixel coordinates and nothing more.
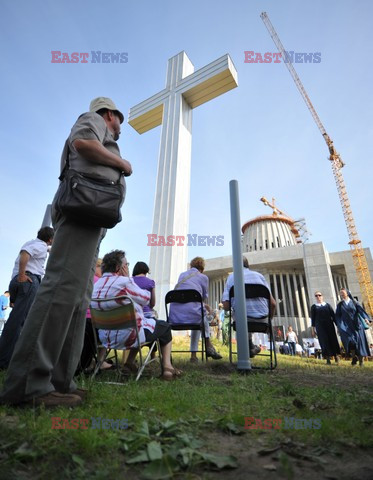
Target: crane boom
(358, 255)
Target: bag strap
(65, 153)
(66, 166)
(185, 279)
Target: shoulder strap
(185, 279)
(65, 163)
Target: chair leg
(230, 341)
(203, 341)
(204, 348)
(160, 354)
(100, 360)
(272, 347)
(146, 361)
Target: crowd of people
(48, 336)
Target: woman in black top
(323, 319)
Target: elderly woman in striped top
(115, 281)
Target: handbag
(363, 322)
(89, 200)
(359, 318)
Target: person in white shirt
(26, 277)
(256, 308)
(292, 340)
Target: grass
(194, 427)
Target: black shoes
(254, 350)
(354, 360)
(212, 353)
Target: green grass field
(194, 427)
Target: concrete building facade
(294, 270)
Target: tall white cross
(172, 107)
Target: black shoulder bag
(88, 200)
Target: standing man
(256, 308)
(4, 305)
(47, 354)
(26, 277)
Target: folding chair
(187, 296)
(262, 325)
(120, 318)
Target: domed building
(269, 231)
(274, 246)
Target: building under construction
(294, 268)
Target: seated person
(256, 308)
(284, 349)
(298, 350)
(311, 349)
(139, 276)
(115, 282)
(191, 312)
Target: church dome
(269, 231)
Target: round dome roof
(269, 231)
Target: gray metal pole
(47, 220)
(243, 358)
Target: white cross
(172, 107)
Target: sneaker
(56, 399)
(212, 353)
(328, 362)
(193, 360)
(254, 351)
(354, 360)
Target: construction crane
(297, 227)
(358, 255)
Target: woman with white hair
(115, 282)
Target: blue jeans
(49, 348)
(291, 348)
(22, 295)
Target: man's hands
(22, 277)
(127, 170)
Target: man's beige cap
(105, 102)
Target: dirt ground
(290, 460)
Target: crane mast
(358, 255)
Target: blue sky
(260, 133)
